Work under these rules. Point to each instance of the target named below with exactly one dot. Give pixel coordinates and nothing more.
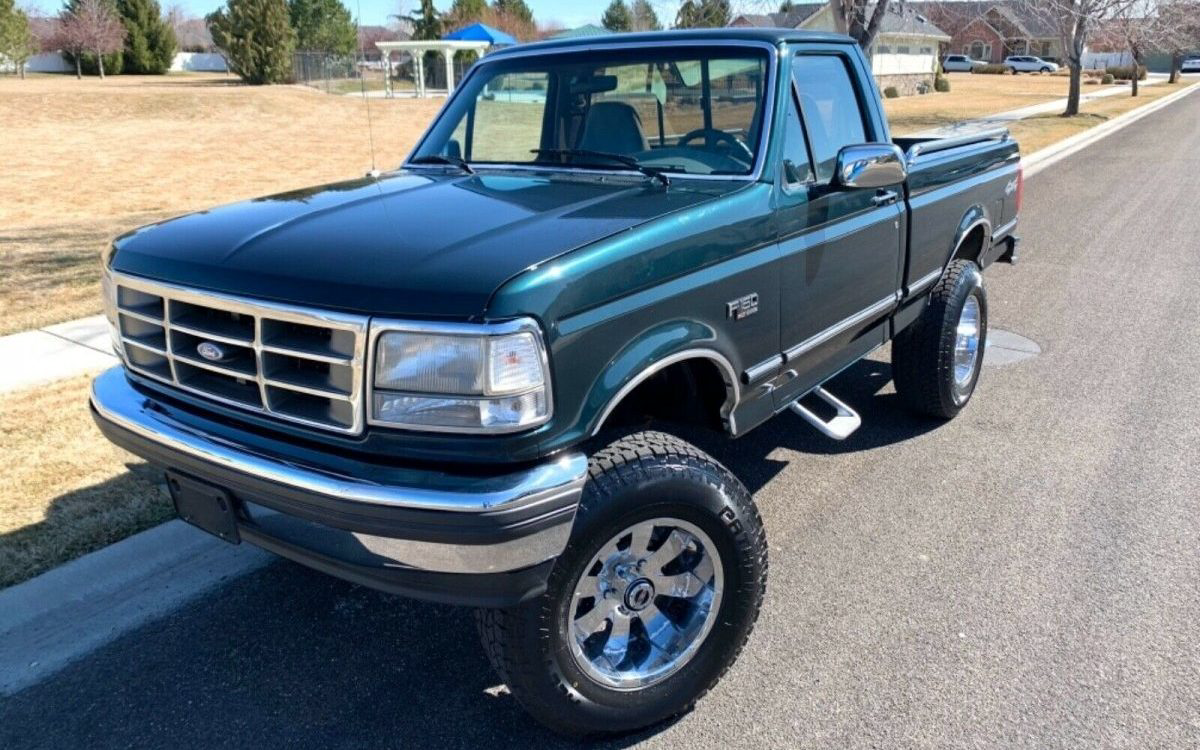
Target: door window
(830, 106)
(797, 168)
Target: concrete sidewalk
(1001, 119)
(54, 352)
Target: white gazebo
(417, 48)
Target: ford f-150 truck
(466, 380)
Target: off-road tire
(641, 476)
(923, 353)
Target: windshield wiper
(453, 161)
(627, 161)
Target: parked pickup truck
(466, 380)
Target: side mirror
(870, 165)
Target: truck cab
(466, 379)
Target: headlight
(461, 378)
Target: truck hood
(414, 244)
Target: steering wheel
(720, 136)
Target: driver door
(841, 248)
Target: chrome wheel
(966, 344)
(645, 603)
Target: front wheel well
(693, 391)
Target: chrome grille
(296, 364)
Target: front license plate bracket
(205, 506)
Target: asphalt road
(1027, 575)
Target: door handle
(885, 197)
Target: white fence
(53, 62)
(1101, 60)
(209, 62)
(48, 62)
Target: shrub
(941, 84)
(991, 69)
(1090, 82)
(1125, 72)
(149, 40)
(891, 93)
(257, 39)
(1106, 80)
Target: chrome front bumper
(394, 520)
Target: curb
(1039, 160)
(62, 615)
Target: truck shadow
(284, 657)
(291, 657)
(885, 421)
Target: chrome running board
(840, 426)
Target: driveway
(1027, 575)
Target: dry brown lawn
(86, 160)
(1036, 133)
(972, 96)
(64, 489)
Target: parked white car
(1190, 65)
(960, 64)
(1029, 64)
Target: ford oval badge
(210, 351)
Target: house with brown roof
(991, 31)
(906, 50)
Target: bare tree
(861, 19)
(1138, 27)
(1181, 20)
(92, 27)
(1075, 21)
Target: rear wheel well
(691, 392)
(971, 246)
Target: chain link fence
(350, 74)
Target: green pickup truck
(465, 380)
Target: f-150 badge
(743, 307)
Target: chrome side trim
(1004, 231)
(760, 157)
(762, 369)
(380, 326)
(115, 400)
(841, 327)
(924, 281)
(732, 391)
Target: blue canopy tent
(481, 32)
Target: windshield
(675, 110)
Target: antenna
(362, 79)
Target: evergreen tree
(87, 62)
(697, 14)
(17, 44)
(323, 26)
(514, 9)
(617, 17)
(257, 39)
(644, 17)
(427, 24)
(464, 12)
(150, 44)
